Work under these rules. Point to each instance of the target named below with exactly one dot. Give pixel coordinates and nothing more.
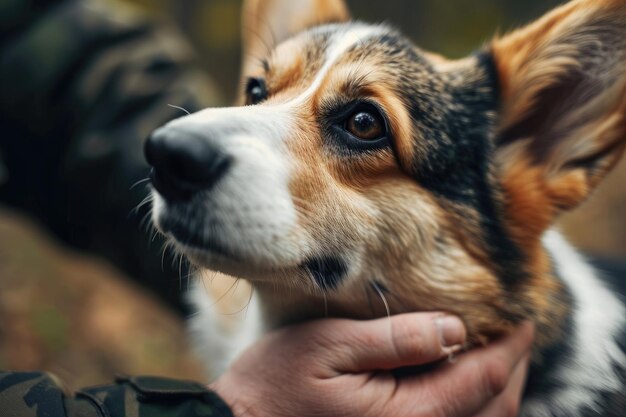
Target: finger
(398, 341)
(507, 404)
(463, 388)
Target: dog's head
(361, 164)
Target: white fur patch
(249, 211)
(215, 343)
(598, 318)
(339, 44)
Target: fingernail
(451, 330)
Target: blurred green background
(452, 27)
(55, 304)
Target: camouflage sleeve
(36, 394)
(83, 84)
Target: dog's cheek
(426, 267)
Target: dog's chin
(242, 256)
(211, 254)
(206, 259)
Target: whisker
(400, 302)
(154, 235)
(146, 200)
(179, 108)
(138, 182)
(245, 307)
(257, 34)
(207, 274)
(145, 221)
(249, 301)
(221, 297)
(382, 297)
(269, 27)
(167, 246)
(180, 272)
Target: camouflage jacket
(82, 84)
(37, 394)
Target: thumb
(397, 341)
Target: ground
(78, 317)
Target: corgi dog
(358, 166)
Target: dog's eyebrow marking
(264, 117)
(339, 44)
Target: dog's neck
(283, 305)
(544, 299)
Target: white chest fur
(599, 316)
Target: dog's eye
(256, 91)
(357, 126)
(366, 125)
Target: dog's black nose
(183, 162)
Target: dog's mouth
(194, 240)
(255, 241)
(326, 272)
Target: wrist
(236, 399)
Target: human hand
(336, 367)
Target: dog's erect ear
(563, 116)
(268, 22)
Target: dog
(357, 166)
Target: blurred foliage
(452, 27)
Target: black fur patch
(469, 178)
(328, 272)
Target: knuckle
(409, 340)
(410, 344)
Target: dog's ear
(563, 115)
(268, 22)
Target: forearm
(29, 393)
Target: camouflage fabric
(38, 394)
(82, 85)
